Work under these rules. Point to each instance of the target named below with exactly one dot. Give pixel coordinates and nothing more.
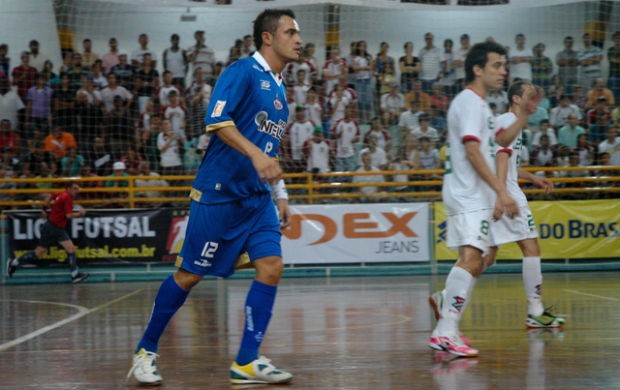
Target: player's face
(494, 72)
(287, 40)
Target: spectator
(597, 131)
(100, 157)
(334, 69)
(545, 128)
(438, 121)
(76, 72)
(500, 98)
(599, 92)
(542, 67)
(300, 87)
(392, 104)
(611, 146)
(424, 130)
(580, 99)
(439, 99)
(418, 95)
(9, 139)
(459, 61)
(170, 145)
(248, 46)
(71, 164)
(409, 120)
(378, 156)
(59, 141)
(337, 104)
(39, 108)
(116, 180)
(63, 103)
(89, 116)
(176, 113)
(132, 159)
(317, 151)
(10, 102)
(199, 96)
(372, 176)
(166, 88)
(430, 61)
(299, 131)
(363, 66)
(590, 58)
(138, 56)
(24, 76)
(597, 111)
(119, 128)
(125, 73)
(36, 58)
(99, 79)
(155, 180)
(5, 60)
(410, 68)
(568, 62)
(543, 155)
(88, 56)
(559, 115)
(384, 140)
(448, 73)
(613, 56)
(385, 73)
(520, 61)
(110, 59)
(146, 81)
(314, 110)
(111, 91)
(202, 56)
(176, 62)
(48, 72)
(567, 135)
(346, 134)
(585, 150)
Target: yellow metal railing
(303, 187)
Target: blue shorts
(218, 233)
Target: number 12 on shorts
(208, 251)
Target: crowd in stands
(141, 113)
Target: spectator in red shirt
(9, 139)
(59, 209)
(24, 76)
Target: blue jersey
(252, 98)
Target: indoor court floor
(331, 333)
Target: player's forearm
(526, 175)
(233, 138)
(479, 164)
(501, 166)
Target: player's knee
(269, 270)
(186, 280)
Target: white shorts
(521, 227)
(470, 229)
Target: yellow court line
(82, 311)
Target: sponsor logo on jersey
(278, 104)
(219, 107)
(266, 125)
(265, 84)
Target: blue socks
(169, 299)
(258, 306)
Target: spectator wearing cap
(599, 92)
(392, 104)
(119, 174)
(24, 76)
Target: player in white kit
(471, 192)
(522, 228)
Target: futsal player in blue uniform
(231, 210)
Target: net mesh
(123, 126)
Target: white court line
(82, 311)
(593, 295)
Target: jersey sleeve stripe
(499, 131)
(219, 125)
(505, 150)
(470, 138)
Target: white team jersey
(299, 133)
(514, 162)
(469, 118)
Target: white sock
(459, 284)
(532, 281)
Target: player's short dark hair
(267, 21)
(516, 89)
(479, 55)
